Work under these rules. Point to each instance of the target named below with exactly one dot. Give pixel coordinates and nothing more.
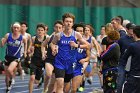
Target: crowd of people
(71, 55)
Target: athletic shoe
(39, 85)
(22, 75)
(89, 80)
(7, 91)
(13, 81)
(81, 89)
(45, 91)
(10, 85)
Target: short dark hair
(102, 26)
(23, 22)
(118, 19)
(136, 31)
(40, 25)
(121, 19)
(79, 25)
(58, 22)
(130, 26)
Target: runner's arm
(87, 57)
(4, 40)
(25, 46)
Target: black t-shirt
(105, 42)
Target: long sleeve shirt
(133, 51)
(111, 56)
(124, 43)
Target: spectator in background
(124, 42)
(132, 83)
(117, 24)
(102, 35)
(110, 59)
(125, 22)
(105, 43)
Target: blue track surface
(21, 86)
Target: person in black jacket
(132, 83)
(110, 58)
(124, 43)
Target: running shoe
(81, 89)
(7, 91)
(39, 85)
(13, 81)
(22, 75)
(45, 91)
(89, 80)
(10, 85)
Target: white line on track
(16, 83)
(15, 79)
(26, 91)
(16, 86)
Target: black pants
(131, 85)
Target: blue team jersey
(65, 51)
(13, 46)
(89, 40)
(66, 54)
(78, 67)
(81, 53)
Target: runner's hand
(73, 44)
(82, 61)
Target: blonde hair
(108, 28)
